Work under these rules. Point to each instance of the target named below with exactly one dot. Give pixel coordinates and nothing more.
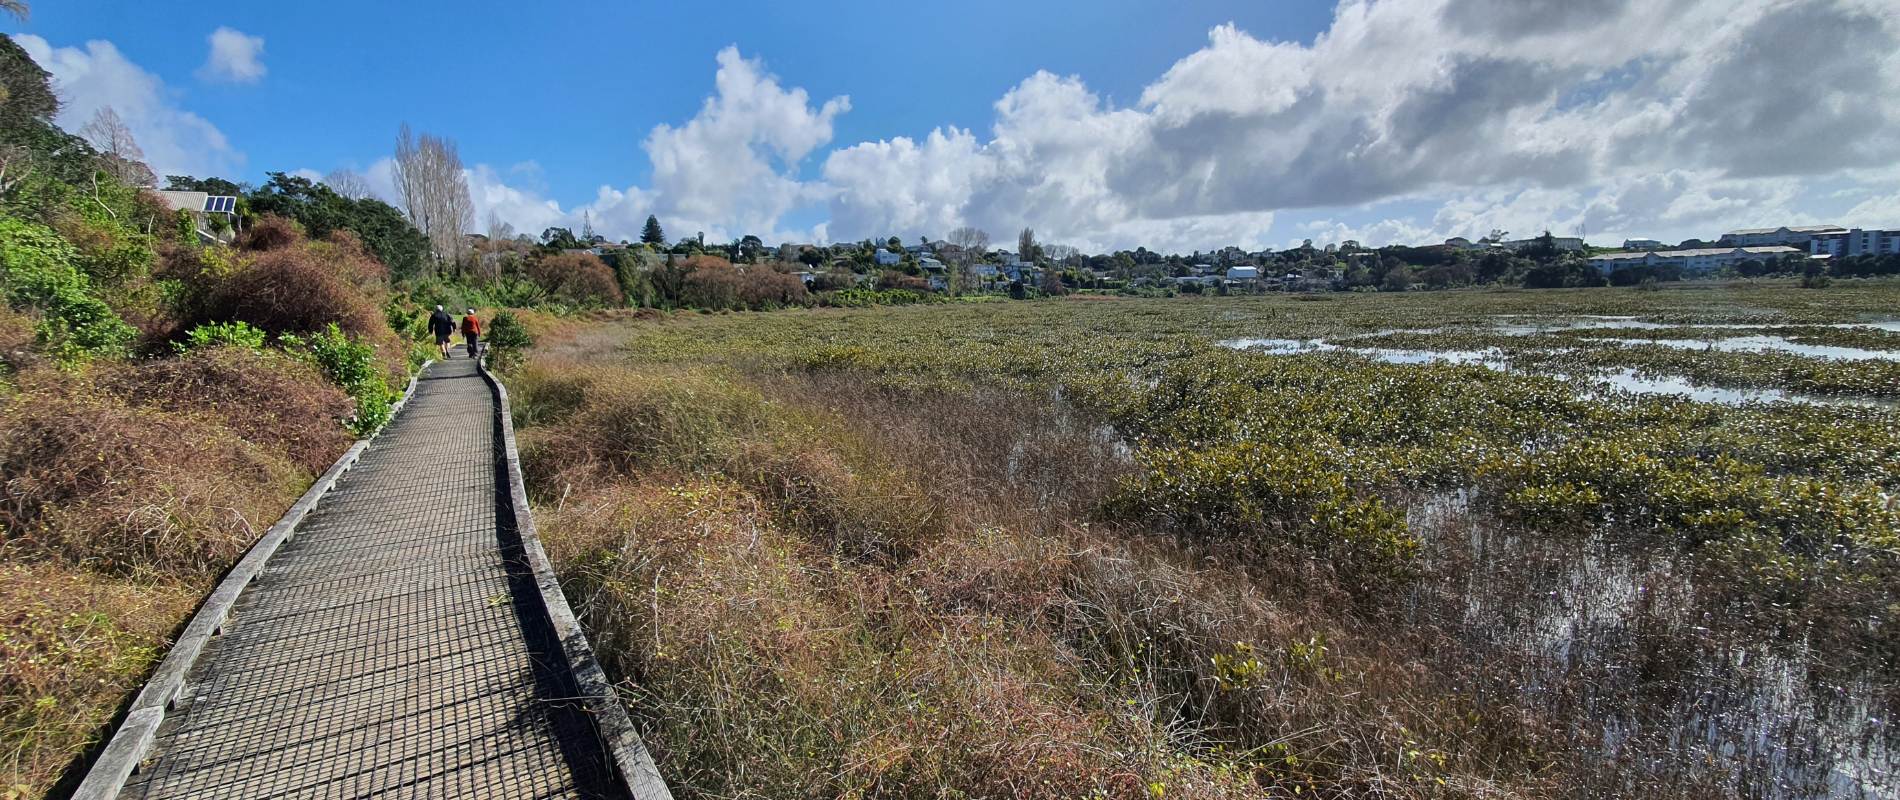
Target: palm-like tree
(15, 7)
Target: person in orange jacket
(472, 333)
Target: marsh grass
(935, 553)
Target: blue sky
(1113, 123)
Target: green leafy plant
(40, 273)
(352, 365)
(212, 334)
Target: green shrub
(507, 332)
(352, 365)
(40, 273)
(235, 334)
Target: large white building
(1856, 242)
(1564, 244)
(1693, 262)
(1797, 236)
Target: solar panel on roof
(221, 205)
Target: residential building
(1642, 244)
(1855, 242)
(201, 206)
(886, 258)
(930, 264)
(1693, 262)
(1243, 273)
(1797, 236)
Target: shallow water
(1771, 344)
(1594, 628)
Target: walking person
(472, 334)
(443, 326)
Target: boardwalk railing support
(626, 751)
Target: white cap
(438, 308)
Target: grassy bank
(1076, 549)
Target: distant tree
(810, 257)
(1397, 278)
(347, 183)
(1026, 245)
(498, 229)
(971, 245)
(119, 152)
(587, 227)
(895, 244)
(17, 8)
(1052, 282)
(556, 238)
(751, 248)
(212, 186)
(382, 229)
(434, 191)
(651, 234)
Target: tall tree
(971, 244)
(117, 149)
(498, 229)
(434, 191)
(587, 227)
(1026, 245)
(651, 234)
(347, 183)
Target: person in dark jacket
(443, 326)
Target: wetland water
(1618, 636)
(1714, 338)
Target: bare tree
(17, 8)
(348, 184)
(1026, 245)
(498, 229)
(971, 244)
(435, 191)
(117, 149)
(1059, 253)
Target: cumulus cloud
(1666, 118)
(175, 141)
(1520, 113)
(730, 170)
(235, 57)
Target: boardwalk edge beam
(628, 753)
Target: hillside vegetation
(1076, 549)
(162, 401)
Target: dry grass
(127, 489)
(819, 587)
(73, 646)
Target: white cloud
(1664, 118)
(175, 141)
(235, 57)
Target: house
(1238, 274)
(1203, 269)
(886, 258)
(1797, 236)
(1642, 244)
(1855, 242)
(985, 272)
(929, 264)
(1700, 261)
(202, 206)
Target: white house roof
(1790, 229)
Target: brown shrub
(270, 232)
(351, 259)
(892, 279)
(266, 398)
(125, 490)
(293, 290)
(16, 341)
(578, 278)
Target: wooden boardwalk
(396, 644)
